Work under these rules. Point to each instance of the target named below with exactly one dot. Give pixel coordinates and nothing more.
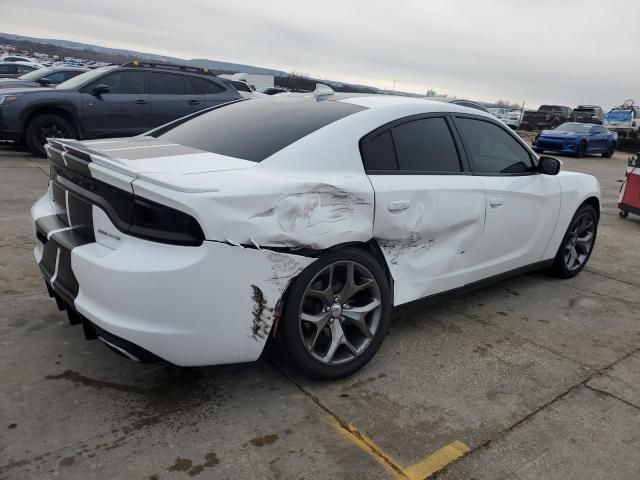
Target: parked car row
(113, 101)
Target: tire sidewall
(291, 333)
(34, 125)
(559, 268)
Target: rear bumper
(205, 305)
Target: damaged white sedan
(305, 218)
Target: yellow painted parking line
(437, 460)
(356, 437)
(419, 471)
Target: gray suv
(113, 101)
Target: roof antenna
(322, 91)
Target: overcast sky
(539, 51)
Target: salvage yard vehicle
(625, 121)
(300, 217)
(547, 116)
(577, 139)
(42, 77)
(588, 114)
(16, 69)
(112, 101)
(513, 118)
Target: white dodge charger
(302, 218)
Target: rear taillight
(633, 124)
(163, 224)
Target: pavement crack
(525, 339)
(501, 434)
(609, 394)
(595, 272)
(345, 425)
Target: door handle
(194, 102)
(141, 102)
(496, 201)
(398, 206)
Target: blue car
(577, 139)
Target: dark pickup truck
(546, 117)
(588, 114)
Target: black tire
(292, 329)
(582, 149)
(46, 126)
(623, 214)
(609, 153)
(538, 150)
(559, 267)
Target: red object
(630, 198)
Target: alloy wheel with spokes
(340, 312)
(337, 313)
(580, 241)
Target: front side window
(492, 150)
(22, 69)
(7, 69)
(126, 82)
(426, 145)
(56, 77)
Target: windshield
(619, 116)
(36, 75)
(585, 110)
(574, 127)
(83, 78)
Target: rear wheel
(577, 244)
(609, 153)
(581, 150)
(46, 126)
(337, 314)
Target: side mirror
(100, 89)
(45, 82)
(549, 165)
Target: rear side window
(491, 149)
(8, 69)
(378, 152)
(241, 87)
(71, 74)
(257, 128)
(205, 86)
(426, 145)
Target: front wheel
(337, 314)
(43, 127)
(577, 244)
(581, 150)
